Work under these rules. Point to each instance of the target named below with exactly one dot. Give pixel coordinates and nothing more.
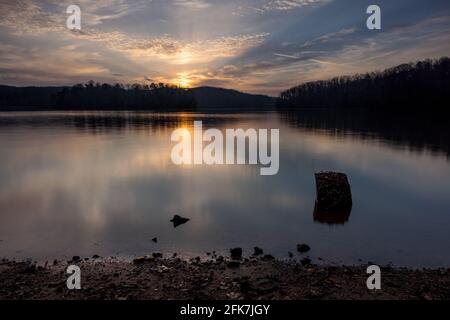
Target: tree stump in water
(334, 198)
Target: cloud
(268, 6)
(27, 65)
(351, 53)
(29, 16)
(26, 16)
(203, 43)
(284, 5)
(173, 50)
(164, 45)
(192, 4)
(417, 41)
(99, 11)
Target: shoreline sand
(158, 278)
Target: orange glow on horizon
(183, 80)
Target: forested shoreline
(152, 97)
(96, 96)
(411, 86)
(418, 85)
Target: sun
(184, 83)
(183, 80)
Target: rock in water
(303, 248)
(334, 194)
(157, 255)
(236, 253)
(177, 220)
(258, 251)
(305, 262)
(155, 240)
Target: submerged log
(334, 198)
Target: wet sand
(150, 278)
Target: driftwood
(334, 198)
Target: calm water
(103, 183)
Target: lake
(84, 183)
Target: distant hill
(41, 97)
(419, 85)
(217, 98)
(161, 97)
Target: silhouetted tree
(96, 96)
(413, 85)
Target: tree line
(98, 96)
(415, 85)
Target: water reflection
(414, 130)
(103, 183)
(97, 122)
(331, 218)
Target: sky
(256, 46)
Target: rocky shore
(158, 278)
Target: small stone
(157, 255)
(258, 251)
(31, 268)
(233, 264)
(269, 257)
(140, 260)
(245, 285)
(162, 269)
(290, 254)
(306, 261)
(427, 297)
(76, 259)
(155, 240)
(303, 248)
(233, 296)
(95, 256)
(236, 253)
